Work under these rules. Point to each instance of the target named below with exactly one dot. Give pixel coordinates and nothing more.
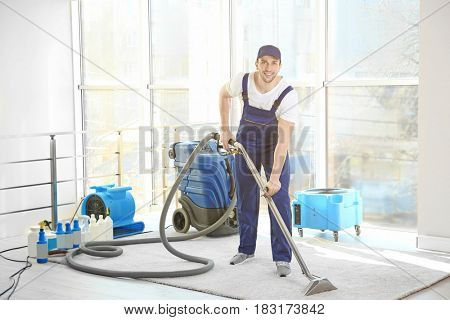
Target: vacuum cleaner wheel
(181, 221)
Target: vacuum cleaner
(110, 248)
(206, 190)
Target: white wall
(36, 96)
(434, 128)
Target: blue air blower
(206, 189)
(120, 205)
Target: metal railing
(53, 171)
(54, 174)
(169, 133)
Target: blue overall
(258, 133)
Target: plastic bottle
(42, 248)
(109, 228)
(83, 222)
(60, 236)
(85, 235)
(84, 225)
(33, 236)
(101, 229)
(93, 229)
(51, 239)
(69, 236)
(76, 234)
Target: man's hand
(272, 187)
(225, 136)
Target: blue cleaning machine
(119, 202)
(206, 190)
(327, 209)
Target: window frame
(324, 82)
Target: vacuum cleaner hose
(111, 249)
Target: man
(264, 131)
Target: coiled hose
(111, 249)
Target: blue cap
(76, 225)
(68, 229)
(269, 50)
(59, 228)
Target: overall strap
(244, 88)
(277, 102)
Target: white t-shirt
(286, 110)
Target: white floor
(54, 281)
(395, 240)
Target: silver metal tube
(54, 182)
(288, 237)
(23, 161)
(35, 208)
(26, 186)
(61, 181)
(62, 158)
(262, 185)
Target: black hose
(232, 183)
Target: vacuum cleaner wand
(317, 284)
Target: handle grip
(231, 142)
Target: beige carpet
(356, 270)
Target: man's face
(268, 68)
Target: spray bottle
(84, 225)
(60, 236)
(69, 236)
(42, 248)
(76, 234)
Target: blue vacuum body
(327, 209)
(206, 189)
(121, 207)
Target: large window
(115, 99)
(295, 27)
(190, 53)
(373, 39)
(115, 42)
(373, 148)
(372, 105)
(190, 61)
(353, 63)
